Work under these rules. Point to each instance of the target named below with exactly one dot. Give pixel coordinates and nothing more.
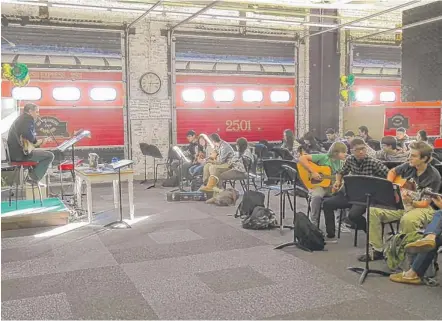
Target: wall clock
(150, 83)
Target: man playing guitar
(417, 213)
(23, 130)
(333, 159)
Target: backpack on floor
(308, 234)
(262, 218)
(171, 182)
(250, 200)
(394, 251)
(196, 183)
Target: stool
(19, 168)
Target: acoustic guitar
(28, 147)
(309, 181)
(409, 188)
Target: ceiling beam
(213, 3)
(415, 24)
(380, 13)
(144, 14)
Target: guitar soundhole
(316, 181)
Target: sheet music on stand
(122, 163)
(68, 143)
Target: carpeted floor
(192, 261)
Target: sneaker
(373, 255)
(421, 246)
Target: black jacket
(24, 126)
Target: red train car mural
(72, 100)
(258, 107)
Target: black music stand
(70, 143)
(118, 166)
(153, 151)
(181, 160)
(293, 173)
(371, 191)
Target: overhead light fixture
(29, 3)
(73, 6)
(127, 10)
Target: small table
(103, 176)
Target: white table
(92, 177)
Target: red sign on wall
(105, 124)
(413, 120)
(230, 124)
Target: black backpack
(250, 200)
(262, 218)
(308, 234)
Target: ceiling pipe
(380, 13)
(144, 14)
(195, 15)
(415, 24)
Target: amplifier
(179, 196)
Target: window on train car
(224, 95)
(388, 96)
(194, 95)
(364, 96)
(279, 96)
(252, 95)
(103, 93)
(26, 93)
(66, 93)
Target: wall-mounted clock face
(150, 83)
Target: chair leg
(39, 193)
(392, 228)
(268, 198)
(341, 212)
(382, 229)
(33, 193)
(14, 181)
(355, 243)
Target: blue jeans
(196, 170)
(435, 227)
(423, 260)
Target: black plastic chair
(283, 153)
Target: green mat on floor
(49, 204)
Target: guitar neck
(431, 194)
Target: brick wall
(149, 115)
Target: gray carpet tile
(27, 253)
(48, 307)
(169, 237)
(215, 237)
(75, 255)
(175, 289)
(101, 293)
(234, 279)
(361, 309)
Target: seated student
(190, 151)
(389, 151)
(237, 170)
(426, 248)
(216, 165)
(422, 137)
(359, 163)
(402, 137)
(416, 213)
(349, 136)
(334, 159)
(332, 136)
(288, 141)
(363, 132)
(204, 149)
